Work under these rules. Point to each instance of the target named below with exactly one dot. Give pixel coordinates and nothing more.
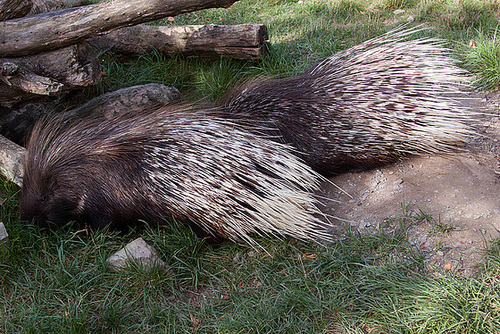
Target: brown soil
(460, 191)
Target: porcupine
(361, 107)
(167, 163)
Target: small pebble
(3, 233)
(138, 252)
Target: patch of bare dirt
(460, 191)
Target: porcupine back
(169, 163)
(363, 107)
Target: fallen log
(47, 31)
(11, 97)
(242, 41)
(48, 73)
(27, 81)
(11, 160)
(75, 66)
(130, 99)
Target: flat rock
(136, 252)
(3, 233)
(4, 236)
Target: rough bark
(242, 41)
(11, 97)
(128, 99)
(11, 9)
(74, 66)
(48, 73)
(47, 31)
(19, 78)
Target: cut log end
(11, 160)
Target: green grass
(304, 32)
(483, 59)
(376, 282)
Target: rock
(4, 236)
(136, 252)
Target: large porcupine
(361, 107)
(167, 163)
(365, 106)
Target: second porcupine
(362, 107)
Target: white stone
(135, 252)
(3, 233)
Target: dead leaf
(309, 256)
(194, 320)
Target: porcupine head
(44, 201)
(51, 196)
(67, 178)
